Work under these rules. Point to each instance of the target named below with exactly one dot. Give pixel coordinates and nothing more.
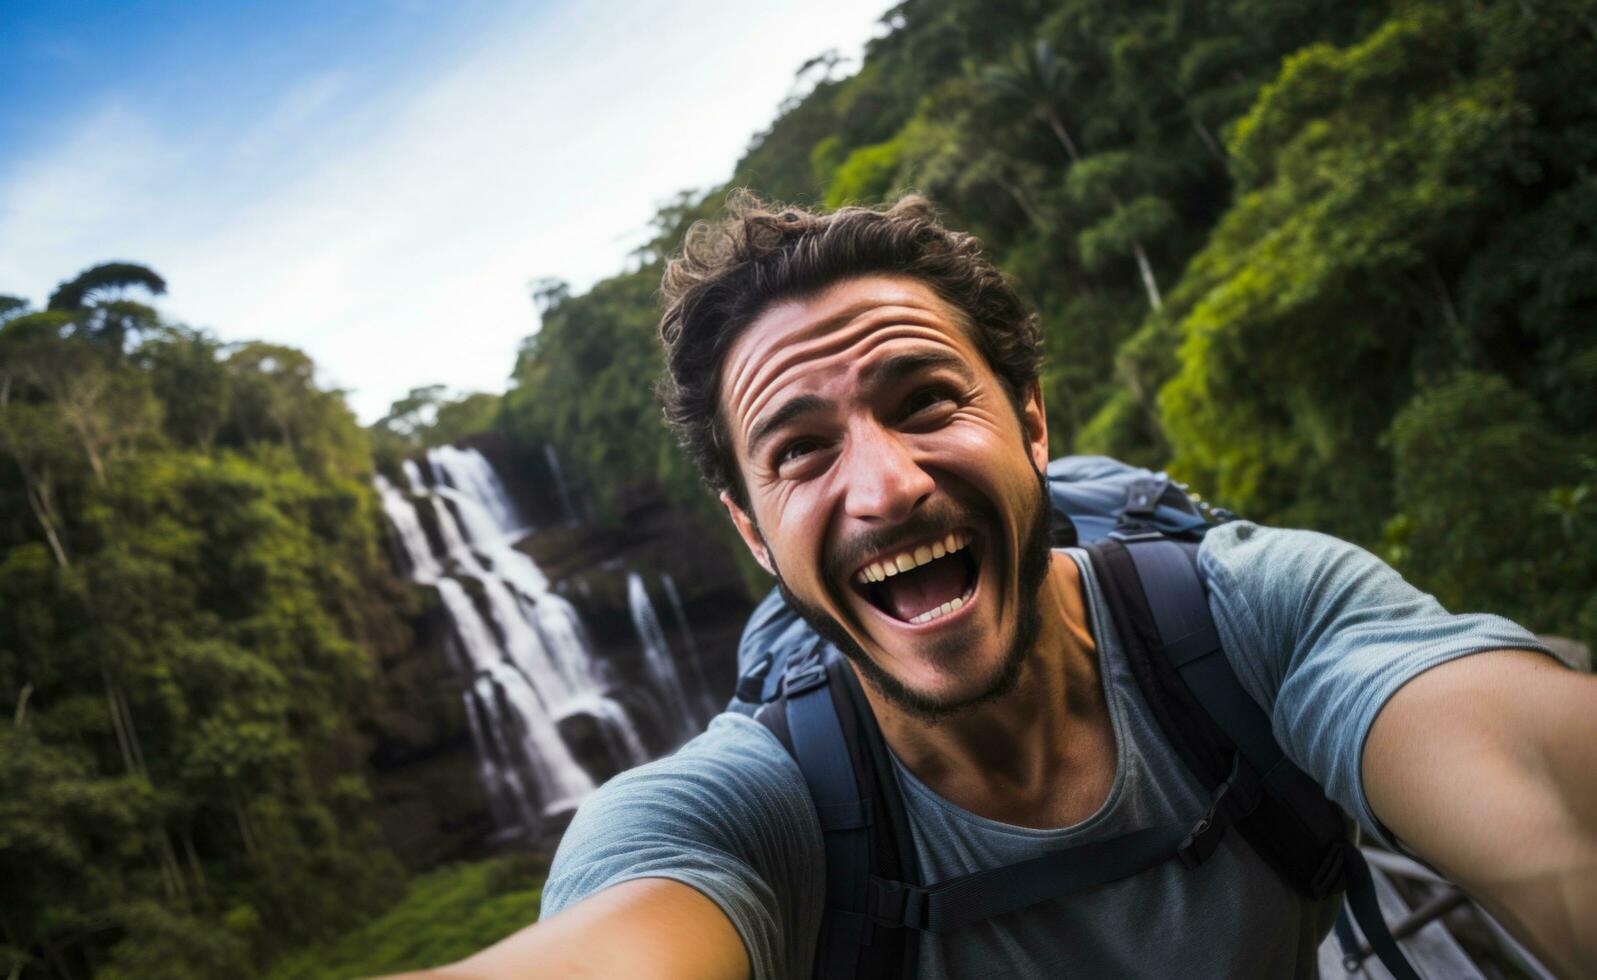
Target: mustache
(920, 527)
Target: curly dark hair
(731, 271)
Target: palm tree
(1038, 79)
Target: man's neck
(1041, 755)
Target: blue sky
(376, 182)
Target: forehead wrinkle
(813, 341)
(897, 367)
(819, 356)
(749, 384)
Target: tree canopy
(195, 592)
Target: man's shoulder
(1244, 544)
(735, 757)
(720, 793)
(727, 814)
(1281, 571)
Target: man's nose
(885, 483)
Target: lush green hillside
(192, 596)
(444, 915)
(1333, 263)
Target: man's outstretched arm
(1486, 767)
(647, 927)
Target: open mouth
(925, 583)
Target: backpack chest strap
(958, 902)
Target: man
(861, 390)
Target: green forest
(1332, 264)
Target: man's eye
(926, 398)
(796, 449)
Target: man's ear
(749, 531)
(1034, 422)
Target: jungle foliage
(194, 593)
(444, 915)
(1333, 263)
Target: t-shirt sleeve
(728, 815)
(1321, 633)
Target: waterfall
(615, 728)
(553, 459)
(658, 657)
(559, 779)
(561, 629)
(695, 662)
(525, 647)
(469, 471)
(423, 566)
(507, 800)
(418, 486)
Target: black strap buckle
(1236, 798)
(1202, 841)
(1331, 876)
(1133, 531)
(895, 904)
(806, 678)
(1142, 497)
(751, 683)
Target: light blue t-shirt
(1320, 632)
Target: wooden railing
(1443, 933)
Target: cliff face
(426, 792)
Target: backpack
(1141, 533)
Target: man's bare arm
(1486, 767)
(648, 928)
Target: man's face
(871, 434)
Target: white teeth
(951, 605)
(880, 571)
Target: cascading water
(560, 781)
(526, 648)
(553, 459)
(469, 471)
(418, 486)
(423, 566)
(695, 663)
(658, 656)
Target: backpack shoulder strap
(819, 718)
(1158, 601)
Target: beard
(1032, 570)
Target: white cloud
(398, 253)
(102, 174)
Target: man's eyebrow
(790, 410)
(888, 371)
(901, 366)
